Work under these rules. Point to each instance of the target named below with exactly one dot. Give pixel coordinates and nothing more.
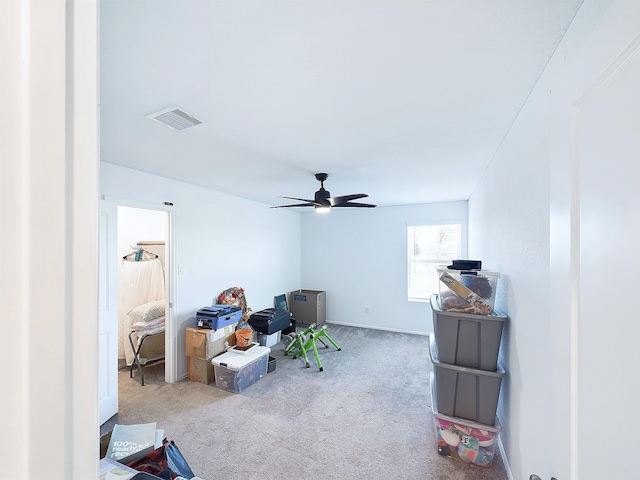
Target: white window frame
(435, 261)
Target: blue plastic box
(218, 316)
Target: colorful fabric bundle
(234, 295)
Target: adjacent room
(194, 150)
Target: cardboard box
(308, 306)
(205, 343)
(200, 370)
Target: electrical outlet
(366, 310)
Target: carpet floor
(367, 415)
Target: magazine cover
(112, 470)
(129, 439)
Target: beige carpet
(366, 416)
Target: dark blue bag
(165, 462)
(176, 461)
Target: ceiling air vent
(175, 117)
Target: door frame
(171, 347)
(610, 36)
(107, 312)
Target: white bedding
(138, 284)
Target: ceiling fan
(323, 201)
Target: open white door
(594, 240)
(108, 328)
(608, 171)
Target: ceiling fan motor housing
(322, 196)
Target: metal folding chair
(150, 349)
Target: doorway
(142, 274)
(123, 225)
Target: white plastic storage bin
(465, 339)
(269, 340)
(465, 392)
(235, 371)
(461, 439)
(467, 291)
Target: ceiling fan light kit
(323, 201)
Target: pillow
(148, 311)
(156, 322)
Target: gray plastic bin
(461, 439)
(467, 339)
(466, 392)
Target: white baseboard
(373, 327)
(504, 459)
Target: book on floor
(127, 440)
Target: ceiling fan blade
(296, 205)
(346, 198)
(323, 199)
(353, 204)
(312, 202)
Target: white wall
(552, 218)
(509, 230)
(48, 237)
(221, 241)
(359, 257)
(140, 224)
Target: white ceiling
(406, 100)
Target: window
(430, 246)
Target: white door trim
(171, 346)
(603, 58)
(108, 312)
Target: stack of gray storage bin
(465, 384)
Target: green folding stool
(306, 340)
